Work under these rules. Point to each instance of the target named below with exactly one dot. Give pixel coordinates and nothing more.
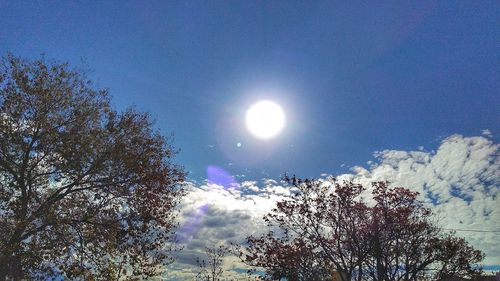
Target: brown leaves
(89, 191)
(329, 227)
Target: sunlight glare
(265, 119)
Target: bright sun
(265, 119)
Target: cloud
(212, 215)
(486, 132)
(460, 180)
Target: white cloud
(486, 132)
(211, 215)
(460, 180)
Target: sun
(265, 119)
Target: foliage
(327, 229)
(85, 191)
(287, 258)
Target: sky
(396, 90)
(459, 181)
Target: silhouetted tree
(456, 258)
(85, 191)
(405, 244)
(212, 268)
(390, 237)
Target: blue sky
(353, 78)
(398, 91)
(459, 181)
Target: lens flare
(221, 177)
(217, 176)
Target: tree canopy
(339, 230)
(85, 191)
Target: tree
(456, 258)
(390, 237)
(212, 268)
(286, 258)
(85, 191)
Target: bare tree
(85, 191)
(212, 268)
